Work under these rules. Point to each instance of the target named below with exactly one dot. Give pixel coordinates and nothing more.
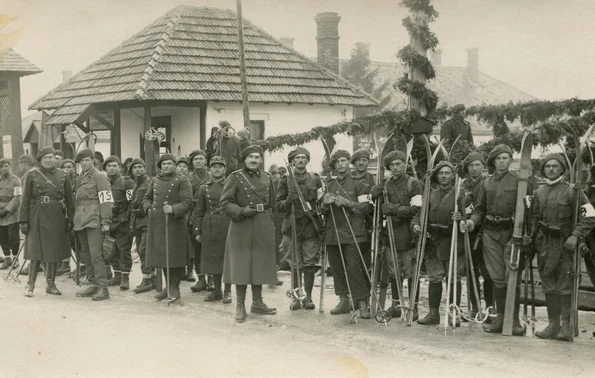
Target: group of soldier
(197, 214)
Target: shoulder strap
(409, 185)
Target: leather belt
(46, 200)
(261, 207)
(6, 198)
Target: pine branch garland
(410, 57)
(418, 90)
(427, 37)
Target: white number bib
(105, 196)
(128, 194)
(17, 191)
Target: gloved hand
(69, 227)
(468, 226)
(248, 212)
(105, 228)
(342, 201)
(387, 208)
(527, 239)
(292, 198)
(416, 229)
(328, 199)
(24, 227)
(456, 216)
(376, 191)
(571, 243)
(3, 213)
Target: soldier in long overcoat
(10, 196)
(169, 195)
(210, 229)
(248, 199)
(45, 216)
(94, 204)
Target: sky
(543, 47)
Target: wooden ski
(517, 234)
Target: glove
(416, 229)
(3, 213)
(69, 227)
(291, 198)
(571, 243)
(105, 228)
(328, 198)
(248, 212)
(377, 191)
(387, 208)
(24, 227)
(468, 226)
(342, 201)
(527, 239)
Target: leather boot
(342, 307)
(496, 325)
(214, 296)
(161, 295)
(176, 278)
(87, 292)
(143, 287)
(201, 285)
(308, 303)
(227, 294)
(32, 278)
(51, 279)
(296, 304)
(240, 313)
(553, 315)
(102, 294)
(189, 275)
(566, 333)
(116, 280)
(7, 263)
(415, 311)
(517, 328)
(433, 317)
(210, 284)
(259, 307)
(125, 284)
(108, 273)
(364, 310)
(153, 282)
(394, 311)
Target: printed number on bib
(128, 194)
(105, 196)
(17, 191)
(587, 211)
(364, 198)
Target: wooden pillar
(16, 131)
(203, 125)
(116, 136)
(91, 143)
(149, 146)
(246, 107)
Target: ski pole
(167, 276)
(393, 251)
(322, 279)
(9, 275)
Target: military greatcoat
(10, 196)
(250, 247)
(47, 207)
(177, 192)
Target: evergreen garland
(411, 58)
(426, 36)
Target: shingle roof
(452, 86)
(10, 61)
(191, 53)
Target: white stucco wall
(285, 119)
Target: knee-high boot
(51, 288)
(33, 268)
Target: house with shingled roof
(181, 76)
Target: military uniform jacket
(308, 184)
(250, 251)
(454, 127)
(177, 192)
(401, 210)
(10, 196)
(197, 178)
(471, 189)
(212, 225)
(122, 192)
(47, 207)
(497, 198)
(367, 177)
(138, 217)
(357, 191)
(94, 200)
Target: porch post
(150, 158)
(116, 136)
(203, 125)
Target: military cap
(195, 153)
(217, 160)
(84, 153)
(499, 149)
(165, 157)
(457, 108)
(473, 156)
(4, 161)
(26, 159)
(549, 157)
(338, 154)
(182, 160)
(98, 155)
(66, 161)
(298, 151)
(252, 149)
(59, 153)
(44, 151)
(438, 167)
(392, 156)
(360, 154)
(136, 161)
(111, 159)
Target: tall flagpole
(244, 84)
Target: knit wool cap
(66, 161)
(457, 108)
(296, 152)
(549, 157)
(392, 156)
(253, 149)
(26, 159)
(499, 149)
(4, 161)
(217, 160)
(136, 161)
(438, 167)
(165, 157)
(58, 152)
(182, 160)
(196, 152)
(84, 153)
(99, 156)
(44, 151)
(473, 156)
(337, 155)
(111, 159)
(360, 154)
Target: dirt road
(131, 335)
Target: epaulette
(268, 173)
(236, 171)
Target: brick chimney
(473, 63)
(66, 75)
(436, 57)
(287, 41)
(327, 38)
